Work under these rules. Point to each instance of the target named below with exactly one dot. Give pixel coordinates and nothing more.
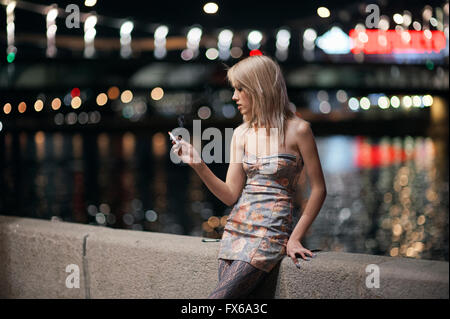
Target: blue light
(334, 41)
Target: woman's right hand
(186, 152)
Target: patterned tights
(237, 279)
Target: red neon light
(75, 92)
(255, 52)
(391, 41)
(370, 156)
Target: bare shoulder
(300, 127)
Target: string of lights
(409, 35)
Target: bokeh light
(56, 104)
(157, 93)
(323, 12)
(101, 99)
(126, 96)
(22, 107)
(38, 105)
(7, 108)
(76, 102)
(113, 93)
(210, 8)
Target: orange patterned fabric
(260, 222)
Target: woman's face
(243, 102)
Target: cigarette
(173, 137)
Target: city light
(52, 14)
(7, 108)
(38, 105)
(310, 35)
(126, 96)
(10, 29)
(10, 57)
(113, 93)
(416, 101)
(353, 104)
(236, 52)
(160, 41)
(22, 107)
(210, 8)
(427, 100)
(101, 99)
(398, 18)
(395, 101)
(325, 107)
(417, 26)
(383, 102)
(157, 93)
(75, 92)
(323, 12)
(193, 38)
(384, 23)
(90, 3)
(282, 44)
(56, 104)
(408, 41)
(254, 40)
(212, 53)
(125, 39)
(341, 96)
(407, 18)
(89, 35)
(204, 112)
(364, 103)
(224, 41)
(335, 41)
(255, 52)
(407, 101)
(76, 102)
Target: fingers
(181, 148)
(294, 259)
(176, 148)
(303, 255)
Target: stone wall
(116, 263)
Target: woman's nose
(234, 97)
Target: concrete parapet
(116, 263)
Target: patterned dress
(260, 223)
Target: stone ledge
(131, 264)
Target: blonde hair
(261, 78)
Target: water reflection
(386, 196)
(392, 200)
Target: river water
(386, 195)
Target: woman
(260, 182)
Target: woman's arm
(229, 191)
(308, 149)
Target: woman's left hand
(294, 247)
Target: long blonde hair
(261, 78)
